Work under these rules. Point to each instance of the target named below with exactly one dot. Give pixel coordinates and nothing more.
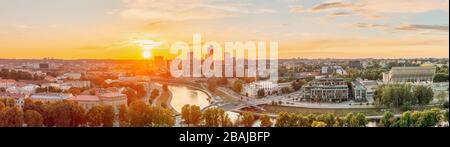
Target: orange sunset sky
(113, 29)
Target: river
(183, 95)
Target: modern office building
(326, 89)
(364, 90)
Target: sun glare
(146, 54)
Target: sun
(146, 54)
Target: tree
(446, 115)
(285, 90)
(165, 87)
(191, 115)
(265, 121)
(362, 121)
(406, 120)
(297, 85)
(247, 119)
(318, 124)
(33, 119)
(237, 86)
(143, 115)
(388, 119)
(154, 94)
(215, 117)
(10, 102)
(2, 106)
(394, 95)
(11, 117)
(64, 114)
(358, 120)
(225, 120)
(211, 117)
(423, 94)
(440, 77)
(328, 119)
(108, 116)
(212, 84)
(285, 119)
(162, 117)
(426, 118)
(123, 116)
(131, 95)
(95, 116)
(75, 90)
(261, 93)
(137, 113)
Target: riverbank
(165, 101)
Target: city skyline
(112, 29)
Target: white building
(79, 84)
(423, 74)
(251, 90)
(28, 89)
(7, 83)
(71, 75)
(50, 97)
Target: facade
(114, 99)
(50, 97)
(7, 83)
(364, 90)
(326, 89)
(251, 90)
(19, 99)
(355, 64)
(79, 84)
(71, 75)
(333, 70)
(28, 89)
(410, 75)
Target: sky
(113, 29)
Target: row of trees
(139, 114)
(215, 117)
(403, 95)
(426, 118)
(285, 119)
(19, 75)
(70, 114)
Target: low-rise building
(50, 97)
(79, 84)
(326, 89)
(5, 83)
(19, 99)
(251, 90)
(114, 99)
(364, 90)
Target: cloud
(175, 10)
(296, 9)
(362, 47)
(423, 27)
(334, 14)
(429, 29)
(377, 8)
(331, 5)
